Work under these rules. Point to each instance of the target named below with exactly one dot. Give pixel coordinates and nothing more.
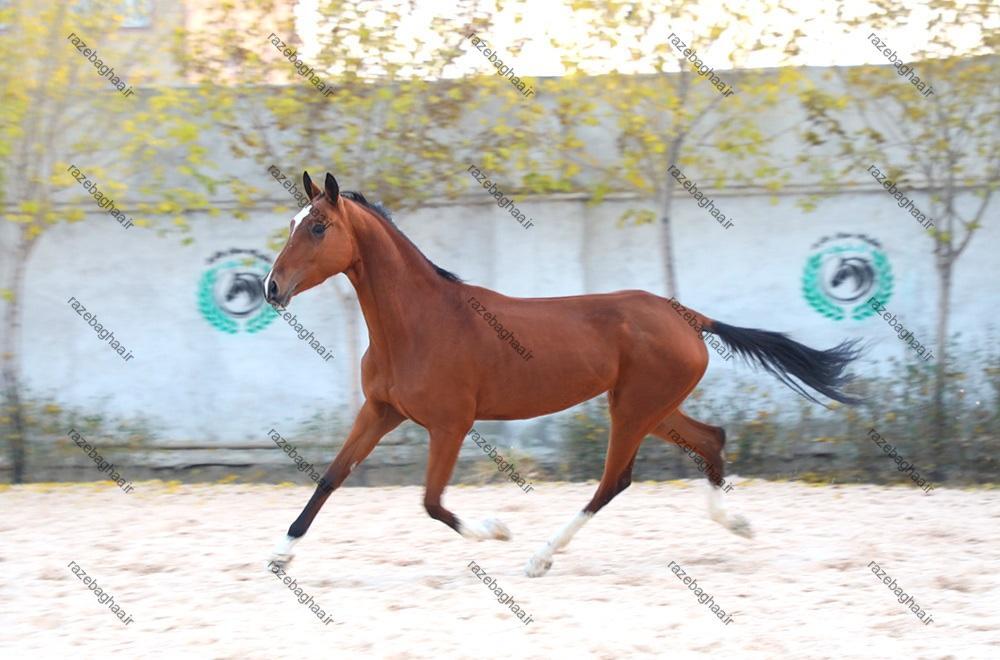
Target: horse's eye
(318, 229)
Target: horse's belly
(533, 393)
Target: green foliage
(59, 110)
(584, 442)
(764, 439)
(380, 130)
(484, 470)
(47, 423)
(947, 142)
(941, 140)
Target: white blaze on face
(267, 281)
(297, 220)
(300, 217)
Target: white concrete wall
(200, 384)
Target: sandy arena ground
(188, 563)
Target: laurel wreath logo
(218, 318)
(817, 299)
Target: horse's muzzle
(274, 296)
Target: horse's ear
(311, 189)
(332, 189)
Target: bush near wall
(763, 440)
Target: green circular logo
(843, 273)
(231, 291)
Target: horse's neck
(396, 287)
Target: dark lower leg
(372, 423)
(605, 495)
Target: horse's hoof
(282, 554)
(497, 529)
(538, 565)
(491, 528)
(279, 561)
(740, 526)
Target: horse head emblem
(853, 277)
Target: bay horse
(436, 359)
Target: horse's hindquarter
(580, 347)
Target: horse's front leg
(444, 447)
(372, 423)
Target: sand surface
(187, 562)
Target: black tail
(787, 359)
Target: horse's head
(320, 244)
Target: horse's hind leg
(634, 413)
(707, 442)
(374, 420)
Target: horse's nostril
(272, 290)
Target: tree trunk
(666, 208)
(941, 363)
(667, 243)
(10, 368)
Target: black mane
(385, 215)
